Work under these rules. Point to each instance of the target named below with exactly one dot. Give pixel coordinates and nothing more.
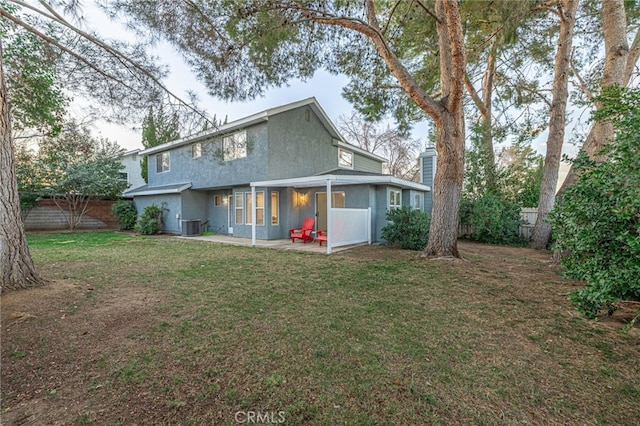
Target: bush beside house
(407, 227)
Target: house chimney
(428, 174)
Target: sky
(326, 88)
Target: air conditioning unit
(190, 228)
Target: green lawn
(159, 330)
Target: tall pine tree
(157, 128)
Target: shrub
(150, 220)
(493, 220)
(407, 227)
(596, 223)
(126, 213)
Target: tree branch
(634, 55)
(54, 16)
(372, 31)
(471, 90)
(426, 9)
(582, 85)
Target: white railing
(350, 226)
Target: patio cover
(157, 190)
(328, 181)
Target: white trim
(320, 180)
(160, 191)
(253, 216)
(235, 142)
(277, 208)
(361, 151)
(397, 192)
(198, 152)
(162, 154)
(208, 134)
(250, 120)
(340, 152)
(235, 208)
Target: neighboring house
(263, 174)
(132, 171)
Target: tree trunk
(618, 67)
(447, 187)
(16, 266)
(557, 121)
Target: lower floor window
(259, 208)
(275, 206)
(395, 199)
(239, 203)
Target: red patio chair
(304, 232)
(321, 236)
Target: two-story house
(263, 174)
(131, 172)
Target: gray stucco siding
(171, 205)
(218, 215)
(382, 205)
(209, 170)
(298, 147)
(194, 205)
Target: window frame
(397, 198)
(160, 162)
(419, 198)
(238, 206)
(249, 207)
(234, 151)
(342, 163)
(196, 150)
(276, 209)
(124, 177)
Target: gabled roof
(252, 119)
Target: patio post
(253, 216)
(329, 226)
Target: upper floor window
(124, 177)
(234, 146)
(162, 162)
(345, 158)
(196, 150)
(395, 199)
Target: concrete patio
(312, 247)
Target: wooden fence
(528, 216)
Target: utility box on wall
(190, 228)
